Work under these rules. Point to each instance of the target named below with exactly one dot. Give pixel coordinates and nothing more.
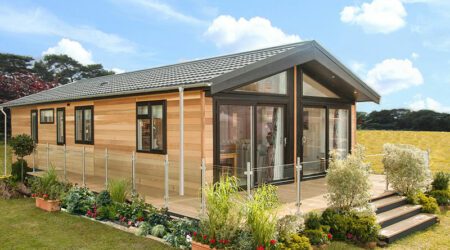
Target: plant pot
(370, 244)
(47, 205)
(319, 247)
(200, 246)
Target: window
(339, 131)
(151, 127)
(312, 88)
(276, 84)
(47, 116)
(34, 125)
(84, 124)
(61, 126)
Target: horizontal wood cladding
(115, 129)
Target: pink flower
(129, 223)
(349, 235)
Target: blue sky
(400, 47)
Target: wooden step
(397, 214)
(401, 229)
(389, 203)
(383, 195)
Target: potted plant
(47, 190)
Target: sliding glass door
(314, 140)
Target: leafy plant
(48, 187)
(78, 200)
(261, 212)
(348, 180)
(179, 231)
(406, 167)
(108, 212)
(103, 198)
(316, 236)
(144, 229)
(22, 145)
(440, 181)
(294, 241)
(429, 204)
(289, 224)
(312, 220)
(442, 197)
(16, 169)
(158, 231)
(159, 217)
(119, 190)
(139, 209)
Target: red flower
(195, 233)
(225, 242)
(212, 241)
(260, 248)
(204, 236)
(140, 219)
(221, 241)
(273, 242)
(330, 236)
(54, 198)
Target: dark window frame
(83, 140)
(53, 116)
(57, 124)
(36, 124)
(149, 105)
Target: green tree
(10, 63)
(22, 145)
(94, 70)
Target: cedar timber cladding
(115, 129)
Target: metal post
(6, 137)
(64, 162)
(248, 173)
(203, 167)
(387, 181)
(34, 160)
(48, 157)
(166, 181)
(181, 114)
(133, 160)
(106, 167)
(82, 154)
(298, 177)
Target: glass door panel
(269, 143)
(338, 131)
(235, 140)
(314, 140)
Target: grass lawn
(23, 226)
(437, 142)
(2, 159)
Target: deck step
(395, 215)
(401, 229)
(388, 203)
(383, 195)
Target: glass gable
(313, 88)
(276, 84)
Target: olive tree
(407, 168)
(22, 145)
(348, 180)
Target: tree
(94, 70)
(22, 145)
(20, 84)
(10, 63)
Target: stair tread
(396, 212)
(387, 201)
(382, 196)
(404, 225)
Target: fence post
(47, 155)
(34, 160)
(248, 173)
(64, 162)
(298, 177)
(166, 181)
(106, 167)
(387, 180)
(82, 156)
(133, 160)
(203, 167)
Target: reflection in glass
(313, 141)
(143, 134)
(338, 131)
(275, 84)
(87, 125)
(34, 126)
(79, 125)
(157, 121)
(60, 126)
(312, 88)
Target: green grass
(23, 226)
(437, 142)
(2, 159)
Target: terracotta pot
(200, 246)
(47, 205)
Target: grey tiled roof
(181, 74)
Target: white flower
(188, 238)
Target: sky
(401, 48)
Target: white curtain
(279, 146)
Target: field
(437, 142)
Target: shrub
(406, 167)
(160, 217)
(289, 224)
(348, 180)
(22, 145)
(103, 198)
(108, 212)
(316, 236)
(442, 197)
(48, 187)
(16, 169)
(119, 190)
(144, 229)
(294, 241)
(440, 181)
(262, 214)
(365, 229)
(158, 231)
(429, 204)
(341, 225)
(78, 200)
(139, 209)
(312, 220)
(178, 232)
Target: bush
(406, 167)
(119, 190)
(108, 212)
(312, 220)
(16, 169)
(442, 197)
(429, 204)
(103, 198)
(160, 217)
(289, 224)
(178, 232)
(440, 181)
(22, 145)
(144, 229)
(294, 241)
(316, 236)
(48, 187)
(365, 229)
(348, 180)
(158, 231)
(78, 200)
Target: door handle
(285, 141)
(303, 140)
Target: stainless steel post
(248, 173)
(82, 155)
(166, 181)
(6, 137)
(48, 149)
(132, 173)
(203, 167)
(64, 162)
(106, 167)
(34, 159)
(298, 177)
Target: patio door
(314, 140)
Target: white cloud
(393, 75)
(73, 49)
(118, 71)
(165, 10)
(415, 55)
(379, 16)
(41, 22)
(428, 103)
(358, 68)
(238, 35)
